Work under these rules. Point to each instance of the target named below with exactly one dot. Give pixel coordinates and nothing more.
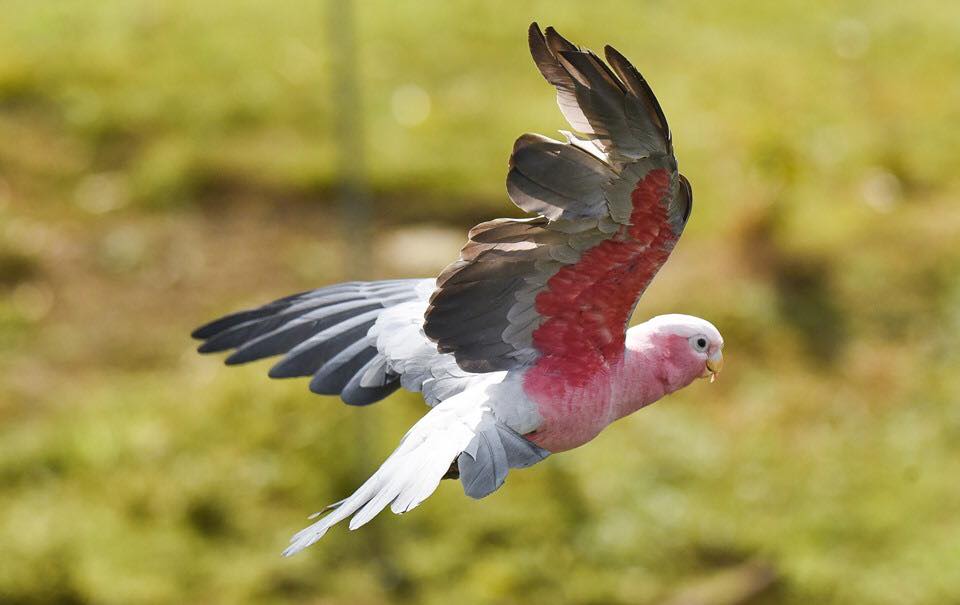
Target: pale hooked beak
(714, 365)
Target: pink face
(686, 357)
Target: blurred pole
(353, 195)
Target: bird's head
(690, 347)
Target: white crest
(682, 325)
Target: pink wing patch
(588, 304)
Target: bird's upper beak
(714, 365)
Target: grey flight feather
(322, 333)
(556, 180)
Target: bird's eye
(699, 343)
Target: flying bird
(521, 347)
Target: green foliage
(161, 163)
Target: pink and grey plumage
(520, 347)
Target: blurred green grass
(164, 162)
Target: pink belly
(571, 416)
(562, 435)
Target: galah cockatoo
(520, 347)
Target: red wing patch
(588, 304)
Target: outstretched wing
(359, 340)
(559, 288)
(324, 334)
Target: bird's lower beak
(714, 365)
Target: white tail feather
(412, 472)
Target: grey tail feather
(484, 464)
(321, 333)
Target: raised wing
(560, 288)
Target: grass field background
(163, 163)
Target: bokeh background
(162, 163)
